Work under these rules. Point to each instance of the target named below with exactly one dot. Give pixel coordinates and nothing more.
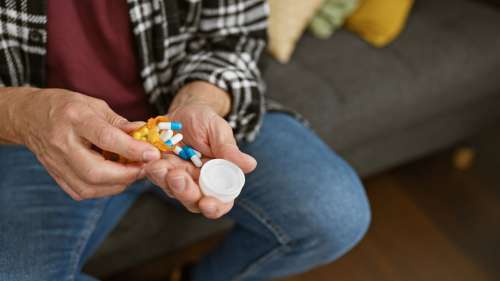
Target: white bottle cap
(221, 179)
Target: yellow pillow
(379, 21)
(287, 21)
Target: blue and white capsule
(174, 140)
(192, 155)
(166, 135)
(180, 152)
(176, 126)
(197, 153)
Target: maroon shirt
(91, 50)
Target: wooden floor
(430, 222)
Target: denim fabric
(302, 207)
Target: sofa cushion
(287, 21)
(379, 22)
(353, 93)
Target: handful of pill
(219, 178)
(164, 135)
(171, 139)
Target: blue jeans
(302, 207)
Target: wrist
(203, 93)
(12, 111)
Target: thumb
(232, 153)
(223, 145)
(116, 138)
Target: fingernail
(177, 184)
(149, 155)
(211, 209)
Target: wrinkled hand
(210, 134)
(60, 127)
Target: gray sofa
(438, 83)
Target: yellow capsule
(137, 135)
(153, 138)
(144, 130)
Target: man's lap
(44, 231)
(42, 228)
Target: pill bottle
(221, 179)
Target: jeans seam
(259, 214)
(281, 237)
(253, 267)
(91, 224)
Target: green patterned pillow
(331, 16)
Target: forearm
(200, 92)
(10, 98)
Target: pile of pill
(218, 178)
(170, 136)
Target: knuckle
(104, 137)
(101, 103)
(133, 151)
(71, 111)
(117, 120)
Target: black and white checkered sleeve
(227, 46)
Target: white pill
(170, 126)
(197, 153)
(177, 150)
(180, 152)
(166, 135)
(174, 140)
(196, 161)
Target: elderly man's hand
(206, 131)
(60, 127)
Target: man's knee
(331, 220)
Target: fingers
(106, 112)
(224, 146)
(85, 190)
(157, 171)
(64, 185)
(213, 209)
(232, 153)
(184, 189)
(109, 138)
(93, 169)
(77, 188)
(80, 171)
(180, 182)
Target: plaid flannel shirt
(178, 41)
